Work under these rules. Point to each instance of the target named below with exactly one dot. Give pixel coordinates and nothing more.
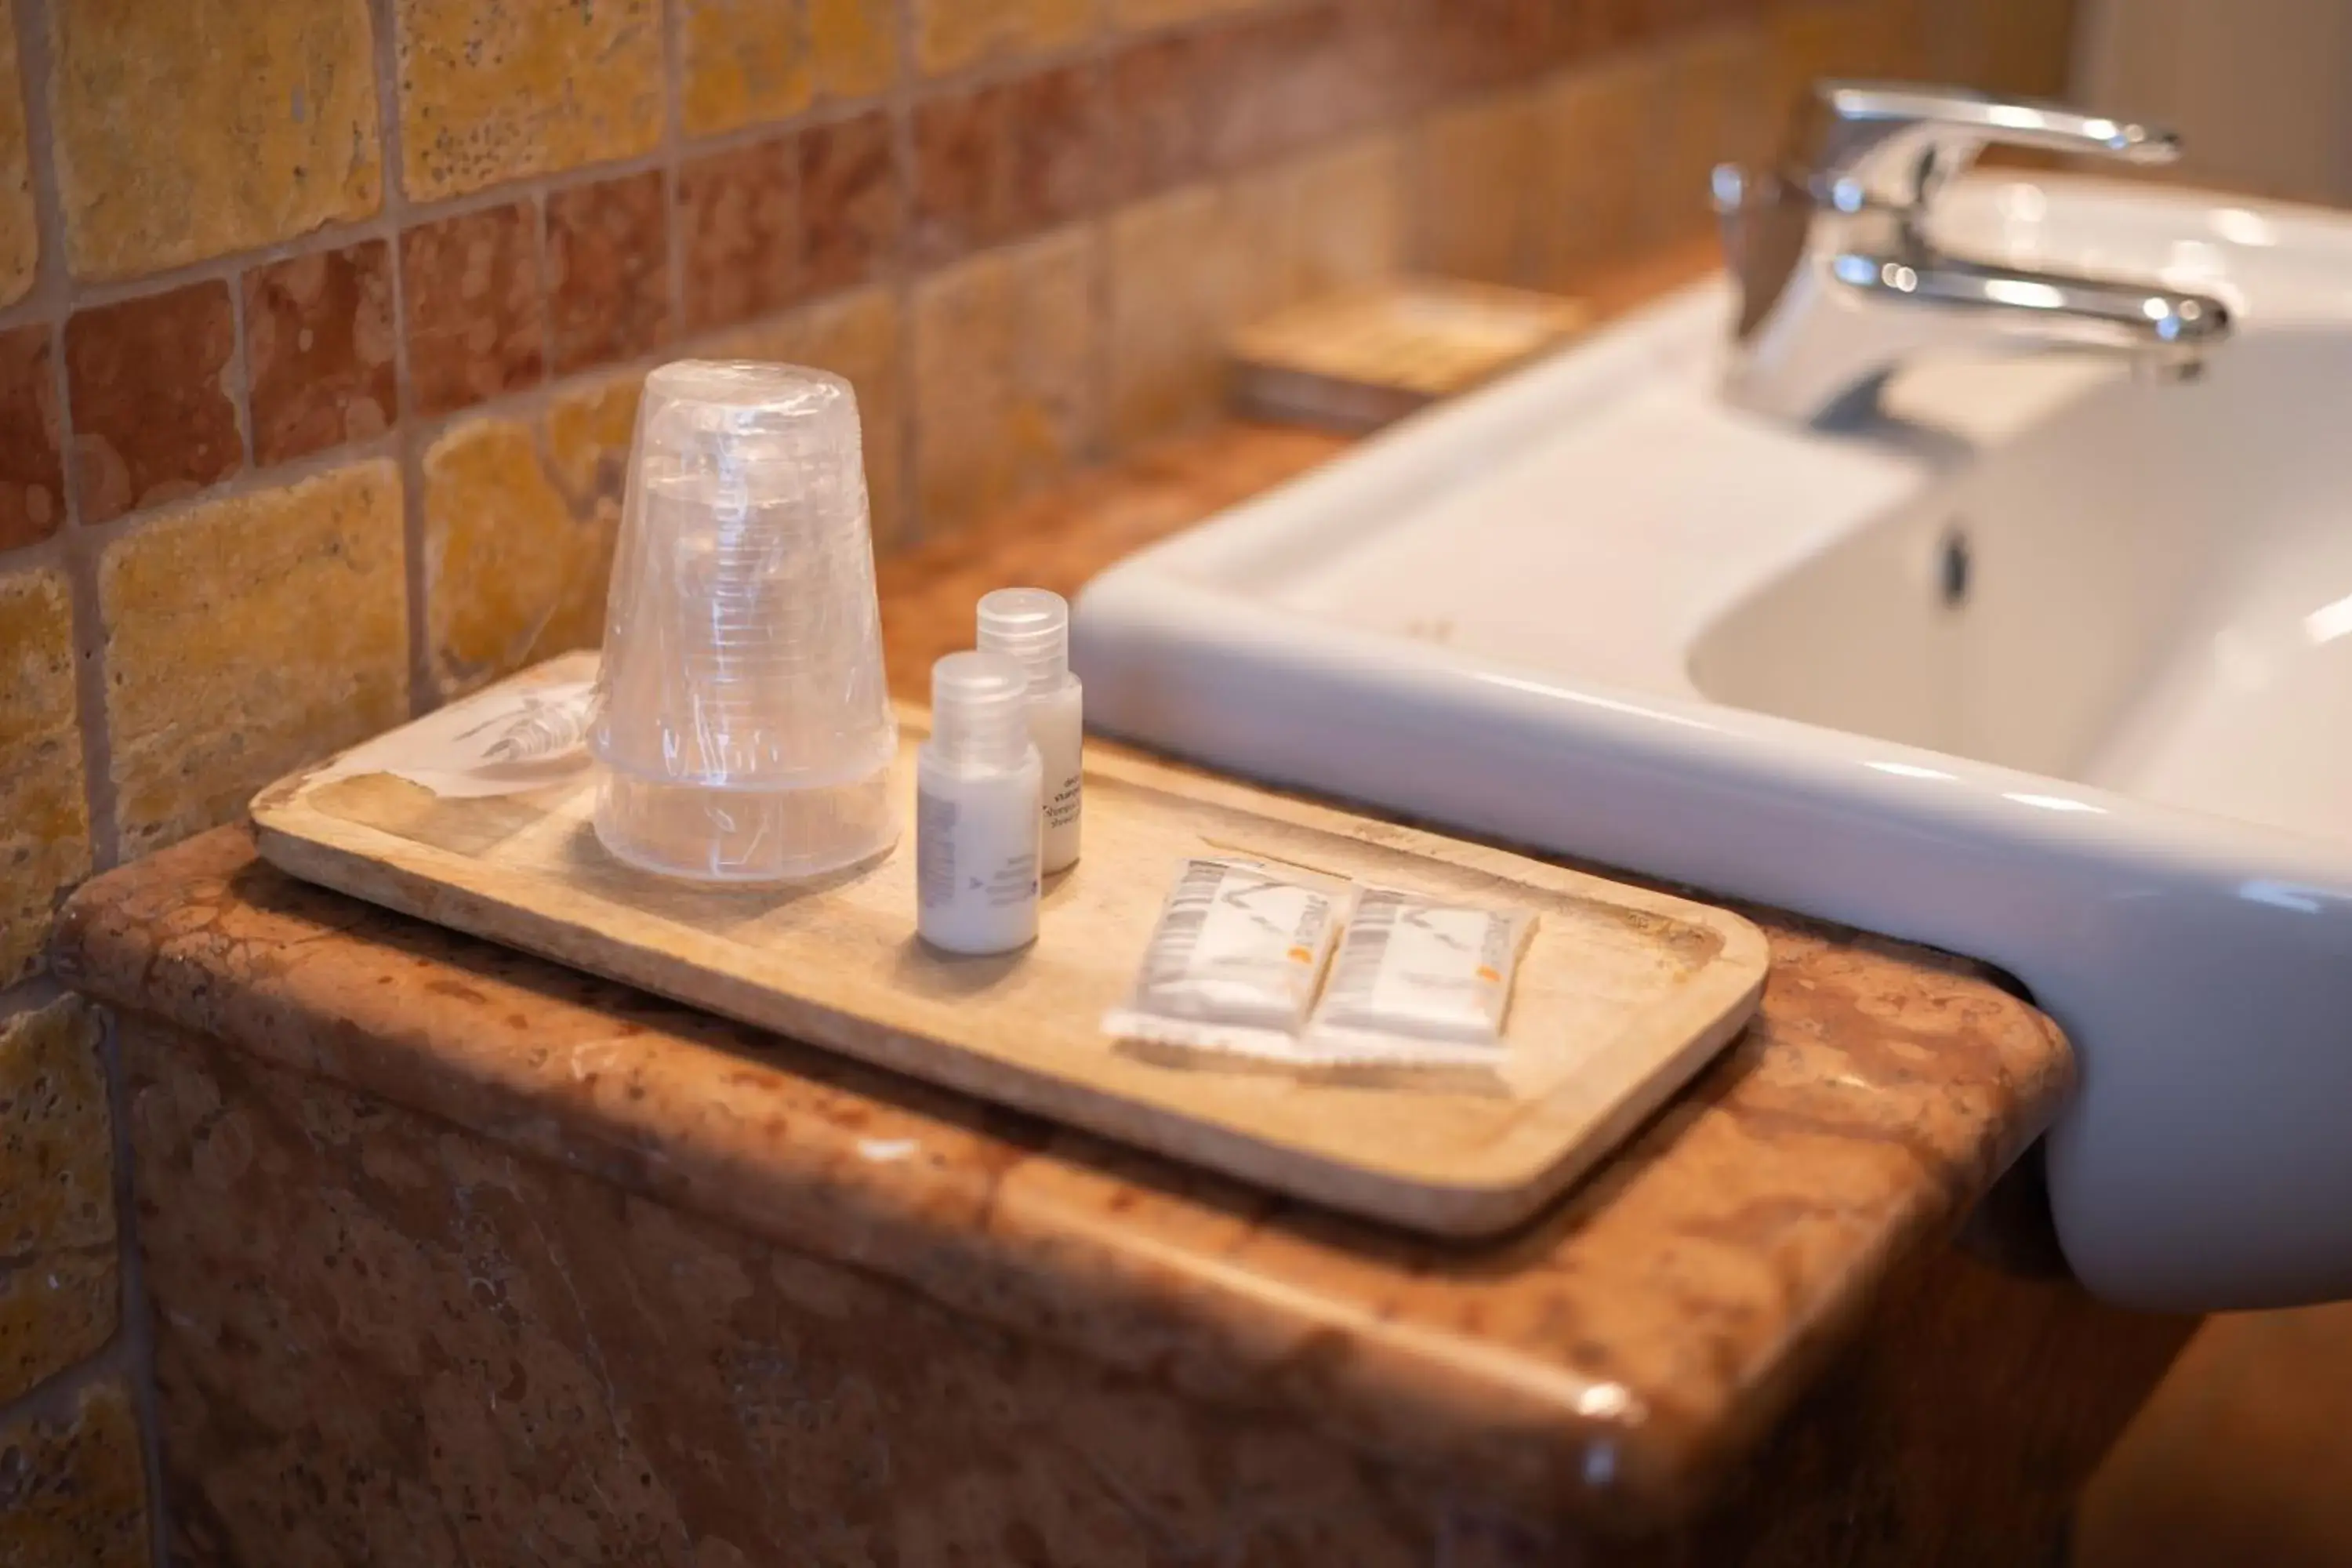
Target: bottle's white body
(1057, 727)
(977, 834)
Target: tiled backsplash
(322, 321)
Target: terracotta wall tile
(32, 454)
(472, 295)
(607, 272)
(1165, 91)
(740, 62)
(996, 163)
(78, 1490)
(318, 349)
(20, 244)
(952, 34)
(1006, 394)
(148, 382)
(738, 233)
(853, 44)
(1469, 46)
(185, 130)
(44, 815)
(856, 337)
(1232, 96)
(247, 637)
(852, 203)
(495, 92)
(514, 574)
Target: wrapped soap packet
(1234, 960)
(1419, 980)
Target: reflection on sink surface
(2056, 671)
(2150, 594)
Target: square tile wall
(322, 326)
(381, 277)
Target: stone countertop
(1608, 1363)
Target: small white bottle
(1032, 627)
(977, 821)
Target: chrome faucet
(1840, 284)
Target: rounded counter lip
(1390, 1344)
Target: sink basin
(2052, 668)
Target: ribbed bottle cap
(980, 706)
(1032, 627)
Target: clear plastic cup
(742, 714)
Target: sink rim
(2142, 898)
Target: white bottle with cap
(1032, 627)
(977, 823)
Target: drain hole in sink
(1953, 566)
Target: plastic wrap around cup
(742, 714)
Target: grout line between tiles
(393, 211)
(74, 551)
(134, 1337)
(899, 98)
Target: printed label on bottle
(1014, 882)
(1062, 807)
(935, 855)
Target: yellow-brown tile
(1809, 43)
(1599, 128)
(855, 336)
(56, 1148)
(1006, 395)
(496, 92)
(1189, 268)
(2026, 46)
(44, 812)
(589, 431)
(1346, 213)
(1164, 13)
(1712, 91)
(189, 130)
(853, 46)
(952, 34)
(247, 637)
(19, 243)
(1186, 268)
(54, 1313)
(740, 62)
(1476, 188)
(78, 1490)
(512, 573)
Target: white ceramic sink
(2056, 672)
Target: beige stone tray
(1622, 996)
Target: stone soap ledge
(1608, 1362)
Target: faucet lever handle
(1895, 144)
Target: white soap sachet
(1419, 980)
(1234, 964)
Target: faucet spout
(1841, 285)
